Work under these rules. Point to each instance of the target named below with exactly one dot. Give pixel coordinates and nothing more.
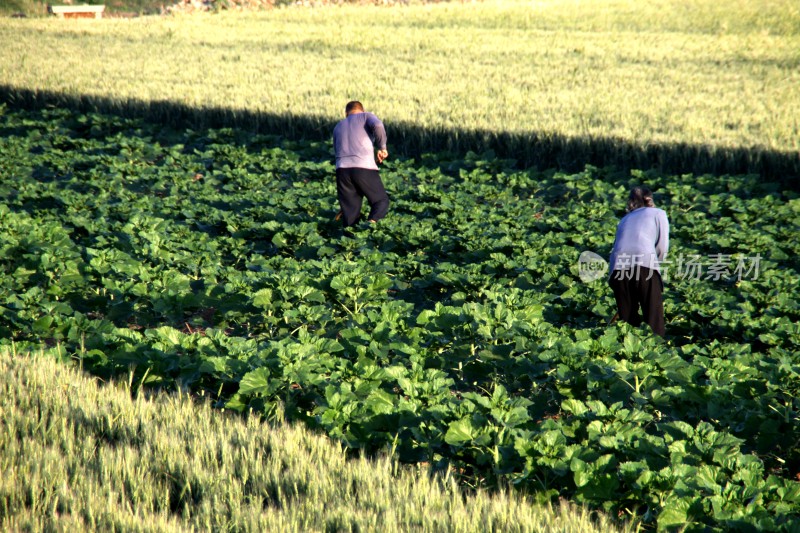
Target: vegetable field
(457, 333)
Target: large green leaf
(460, 432)
(255, 382)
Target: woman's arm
(662, 240)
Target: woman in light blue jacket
(640, 245)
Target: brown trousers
(635, 288)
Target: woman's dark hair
(353, 106)
(640, 197)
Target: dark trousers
(352, 185)
(635, 288)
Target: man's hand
(382, 154)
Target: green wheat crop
(80, 455)
(722, 75)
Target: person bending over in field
(354, 141)
(641, 243)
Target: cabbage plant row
(457, 333)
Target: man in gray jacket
(354, 141)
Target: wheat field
(80, 455)
(618, 75)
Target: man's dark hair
(640, 197)
(353, 106)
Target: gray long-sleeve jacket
(642, 239)
(353, 140)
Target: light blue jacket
(353, 140)
(642, 239)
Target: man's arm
(378, 135)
